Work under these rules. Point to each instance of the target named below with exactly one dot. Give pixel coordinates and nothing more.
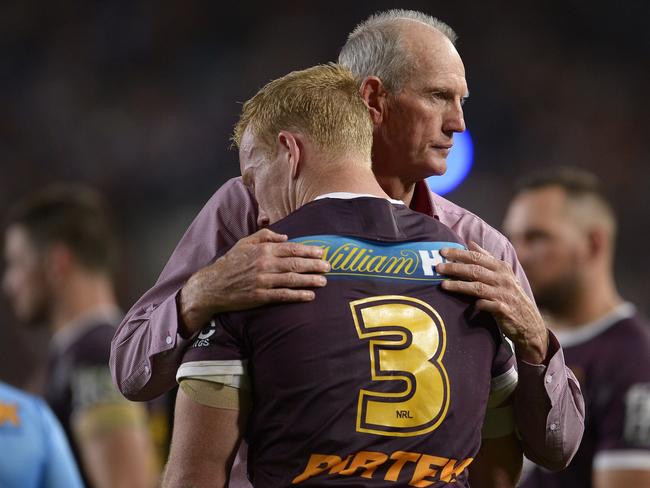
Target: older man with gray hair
(413, 82)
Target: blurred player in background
(34, 452)
(564, 230)
(60, 255)
(328, 403)
(413, 82)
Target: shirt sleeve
(549, 407)
(147, 348)
(60, 468)
(549, 410)
(548, 396)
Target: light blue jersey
(34, 452)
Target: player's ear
(598, 242)
(375, 95)
(58, 261)
(291, 151)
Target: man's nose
(454, 119)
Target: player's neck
(350, 178)
(78, 296)
(595, 302)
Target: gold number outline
(406, 337)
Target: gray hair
(376, 48)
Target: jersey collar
(348, 196)
(74, 329)
(588, 331)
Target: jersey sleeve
(60, 468)
(504, 373)
(91, 384)
(622, 411)
(499, 415)
(218, 354)
(147, 349)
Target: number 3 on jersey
(407, 341)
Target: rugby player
(564, 230)
(60, 254)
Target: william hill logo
(353, 257)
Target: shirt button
(549, 378)
(146, 369)
(553, 427)
(168, 339)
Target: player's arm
(111, 432)
(115, 445)
(499, 460)
(208, 427)
(60, 468)
(149, 343)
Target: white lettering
(429, 261)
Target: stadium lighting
(459, 164)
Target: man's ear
(291, 150)
(58, 262)
(598, 242)
(375, 95)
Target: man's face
(416, 133)
(267, 177)
(25, 280)
(551, 247)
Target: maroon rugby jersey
(611, 359)
(78, 376)
(383, 379)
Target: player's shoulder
(471, 227)
(622, 346)
(632, 333)
(91, 345)
(364, 216)
(12, 395)
(18, 407)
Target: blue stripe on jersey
(351, 257)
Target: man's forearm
(549, 411)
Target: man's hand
(260, 269)
(498, 291)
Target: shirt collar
(423, 200)
(348, 196)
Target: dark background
(138, 99)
